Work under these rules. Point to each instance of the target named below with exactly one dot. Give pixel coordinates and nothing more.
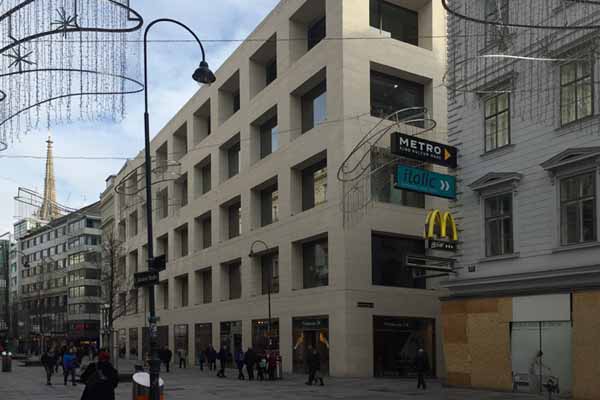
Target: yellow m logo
(445, 221)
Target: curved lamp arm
(252, 253)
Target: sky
(80, 182)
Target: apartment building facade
(523, 304)
(59, 281)
(249, 165)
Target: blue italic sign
(423, 181)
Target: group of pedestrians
(262, 365)
(100, 377)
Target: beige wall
(347, 66)
(586, 352)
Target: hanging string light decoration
(66, 60)
(519, 47)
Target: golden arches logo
(445, 222)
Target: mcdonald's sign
(446, 229)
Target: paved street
(191, 384)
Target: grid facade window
(401, 23)
(314, 185)
(270, 273)
(497, 121)
(390, 93)
(317, 32)
(578, 209)
(576, 87)
(315, 264)
(499, 225)
(314, 107)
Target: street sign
(420, 149)
(146, 278)
(423, 181)
(442, 245)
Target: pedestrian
(223, 356)
(262, 366)
(49, 363)
(422, 367)
(182, 355)
(69, 365)
(212, 358)
(165, 356)
(271, 365)
(314, 366)
(239, 362)
(201, 359)
(100, 379)
(250, 361)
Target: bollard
(6, 361)
(141, 386)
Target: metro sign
(424, 150)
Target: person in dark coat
(165, 356)
(314, 366)
(49, 363)
(100, 379)
(211, 357)
(250, 361)
(222, 356)
(422, 367)
(201, 358)
(239, 363)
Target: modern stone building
(249, 165)
(523, 305)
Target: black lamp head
(203, 74)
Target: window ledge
(500, 258)
(569, 126)
(498, 152)
(578, 246)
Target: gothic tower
(49, 210)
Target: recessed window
(263, 66)
(578, 209)
(202, 177)
(182, 286)
(181, 191)
(229, 97)
(269, 137)
(382, 181)
(233, 276)
(180, 142)
(316, 32)
(162, 246)
(182, 240)
(234, 219)
(576, 98)
(269, 205)
(163, 203)
(204, 286)
(314, 107)
(499, 225)
(497, 121)
(314, 185)
(390, 94)
(230, 156)
(271, 71)
(269, 264)
(315, 264)
(202, 123)
(401, 23)
(388, 258)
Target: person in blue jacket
(69, 365)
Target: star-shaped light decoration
(64, 21)
(19, 57)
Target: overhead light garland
(66, 60)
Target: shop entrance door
(313, 332)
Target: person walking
(314, 366)
(211, 356)
(201, 359)
(239, 362)
(165, 356)
(271, 365)
(182, 355)
(222, 356)
(422, 367)
(49, 363)
(262, 366)
(250, 361)
(100, 379)
(69, 365)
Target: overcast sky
(80, 182)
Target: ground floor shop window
(202, 338)
(231, 338)
(396, 341)
(310, 332)
(133, 343)
(181, 343)
(163, 339)
(540, 351)
(122, 340)
(261, 340)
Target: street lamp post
(269, 283)
(202, 75)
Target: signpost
(420, 149)
(146, 278)
(424, 181)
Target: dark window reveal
(316, 33)
(401, 23)
(390, 94)
(388, 261)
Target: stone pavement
(28, 383)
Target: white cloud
(79, 182)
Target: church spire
(48, 210)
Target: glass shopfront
(231, 336)
(133, 343)
(163, 340)
(181, 340)
(310, 332)
(122, 333)
(260, 335)
(396, 341)
(202, 338)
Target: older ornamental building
(249, 167)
